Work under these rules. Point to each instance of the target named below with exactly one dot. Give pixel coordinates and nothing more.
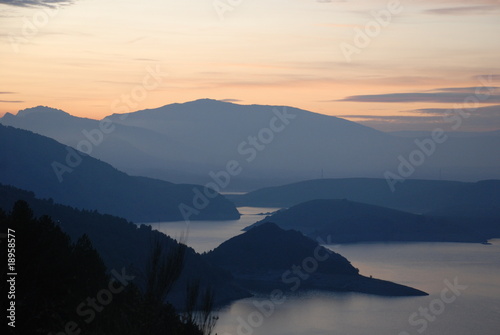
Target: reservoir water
(463, 282)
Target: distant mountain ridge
(185, 142)
(27, 162)
(36, 110)
(346, 221)
(414, 196)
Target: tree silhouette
(55, 277)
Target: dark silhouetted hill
(65, 287)
(270, 248)
(347, 221)
(415, 196)
(124, 244)
(27, 161)
(267, 258)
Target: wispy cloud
(146, 60)
(36, 3)
(482, 112)
(480, 119)
(10, 101)
(468, 90)
(468, 10)
(117, 82)
(337, 25)
(394, 118)
(491, 77)
(441, 95)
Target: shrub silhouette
(55, 276)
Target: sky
(393, 65)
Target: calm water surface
(426, 266)
(206, 235)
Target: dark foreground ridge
(262, 260)
(121, 244)
(269, 258)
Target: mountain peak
(270, 248)
(206, 101)
(40, 110)
(267, 227)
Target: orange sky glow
(82, 57)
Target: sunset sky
(81, 56)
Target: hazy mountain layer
(52, 170)
(272, 145)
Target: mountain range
(193, 142)
(70, 177)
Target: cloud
(10, 101)
(117, 82)
(329, 1)
(468, 10)
(491, 77)
(396, 122)
(480, 119)
(146, 60)
(393, 118)
(337, 25)
(441, 95)
(36, 3)
(482, 112)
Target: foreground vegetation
(64, 288)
